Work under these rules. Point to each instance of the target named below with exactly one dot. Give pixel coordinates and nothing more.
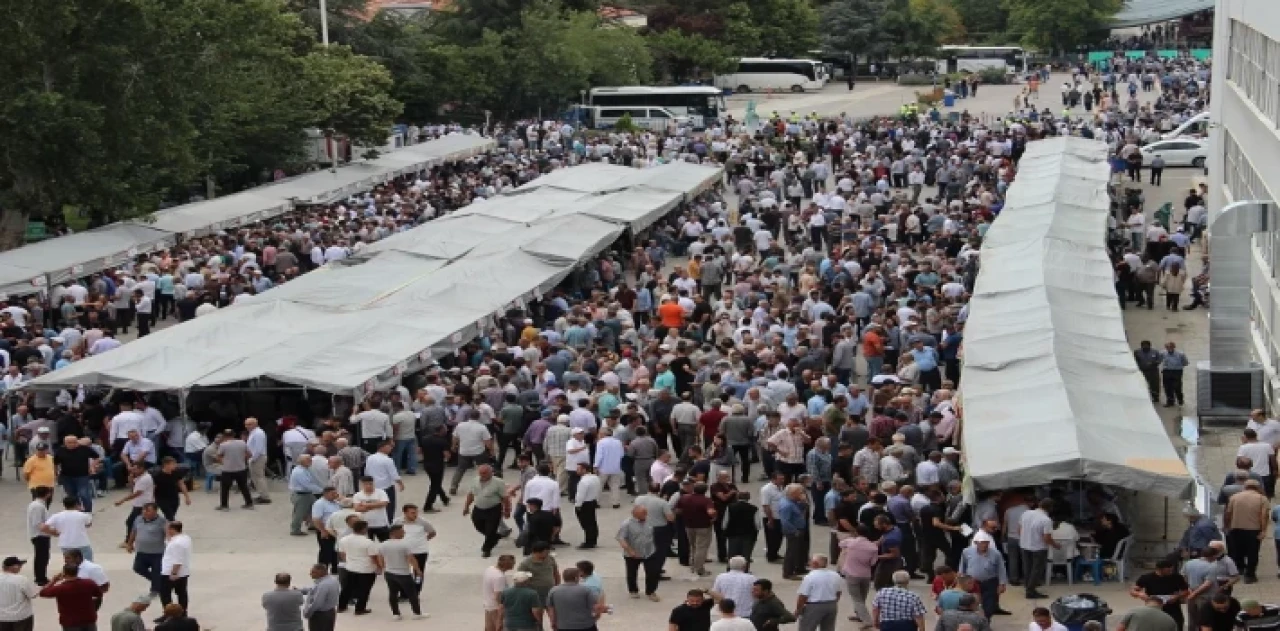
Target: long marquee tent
(356, 325)
(1050, 390)
(28, 269)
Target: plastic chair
(1063, 557)
(1119, 559)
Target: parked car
(1179, 152)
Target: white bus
(971, 59)
(756, 74)
(696, 105)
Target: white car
(1179, 152)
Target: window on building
(1253, 64)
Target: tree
(848, 29)
(348, 95)
(110, 105)
(679, 56)
(472, 17)
(1059, 25)
(904, 31)
(938, 22)
(787, 28)
(984, 20)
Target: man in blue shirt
(795, 525)
(321, 511)
(951, 352)
(1198, 535)
(1172, 363)
(303, 491)
(926, 358)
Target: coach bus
(754, 74)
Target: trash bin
(1073, 610)
(1268, 621)
(949, 100)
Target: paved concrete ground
(237, 553)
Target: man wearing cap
(39, 470)
(16, 594)
(984, 563)
(130, 619)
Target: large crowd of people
(806, 322)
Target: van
(1196, 126)
(657, 119)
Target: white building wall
(1245, 162)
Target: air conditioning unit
(1225, 396)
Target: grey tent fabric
(1047, 366)
(29, 269)
(19, 280)
(203, 218)
(75, 255)
(1142, 12)
(356, 325)
(272, 200)
(603, 178)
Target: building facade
(1245, 161)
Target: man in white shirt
(1263, 456)
(257, 443)
(576, 453)
(16, 594)
(1268, 429)
(543, 487)
(586, 502)
(1035, 541)
(125, 421)
(736, 585)
(37, 515)
(360, 555)
(175, 566)
(71, 527)
(382, 468)
(493, 583)
(818, 598)
(371, 502)
(474, 444)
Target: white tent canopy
(30, 268)
(357, 324)
(1050, 389)
(27, 269)
(272, 200)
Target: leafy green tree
(907, 35)
(1059, 25)
(984, 20)
(679, 56)
(787, 28)
(349, 95)
(939, 22)
(848, 27)
(110, 104)
(472, 17)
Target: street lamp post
(324, 23)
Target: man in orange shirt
(873, 349)
(670, 316)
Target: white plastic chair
(1120, 558)
(1063, 557)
